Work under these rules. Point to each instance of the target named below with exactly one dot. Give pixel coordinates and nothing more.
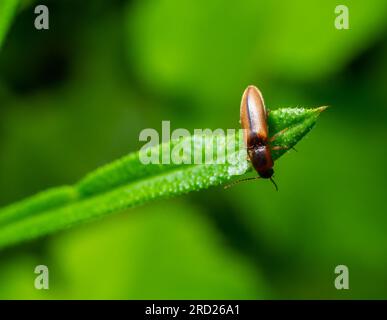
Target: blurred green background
(76, 96)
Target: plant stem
(127, 182)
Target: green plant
(127, 182)
(7, 12)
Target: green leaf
(7, 12)
(127, 182)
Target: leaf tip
(322, 108)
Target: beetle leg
(278, 134)
(280, 148)
(283, 148)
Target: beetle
(253, 119)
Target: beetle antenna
(275, 185)
(241, 180)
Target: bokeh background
(76, 96)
